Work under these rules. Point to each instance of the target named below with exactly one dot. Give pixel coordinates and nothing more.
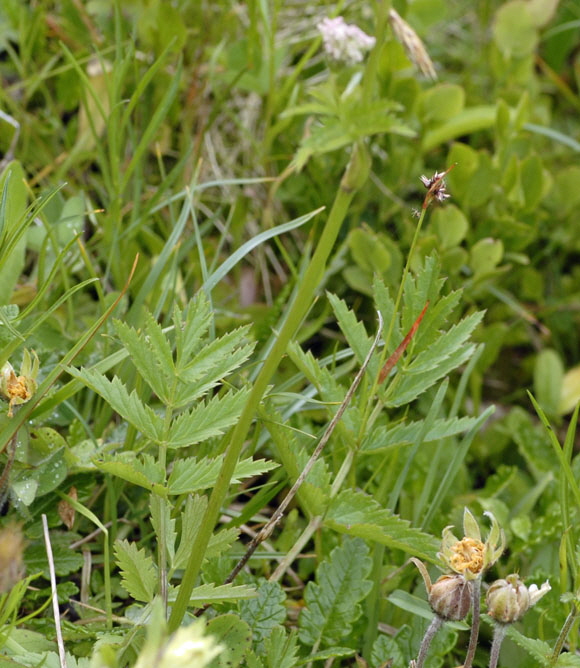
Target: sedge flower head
(471, 556)
(437, 189)
(343, 42)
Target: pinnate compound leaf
(357, 514)
(333, 600)
(150, 353)
(190, 474)
(211, 364)
(406, 434)
(128, 406)
(281, 648)
(138, 572)
(266, 611)
(207, 420)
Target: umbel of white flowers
(343, 42)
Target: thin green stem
(436, 624)
(476, 593)
(499, 632)
(298, 309)
(563, 634)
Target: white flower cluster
(344, 42)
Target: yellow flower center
(467, 556)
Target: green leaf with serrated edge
(385, 652)
(128, 406)
(128, 471)
(435, 318)
(221, 541)
(265, 611)
(412, 385)
(212, 593)
(386, 306)
(216, 360)
(138, 572)
(419, 290)
(191, 474)
(194, 327)
(445, 345)
(149, 361)
(332, 602)
(539, 650)
(406, 434)
(325, 654)
(193, 511)
(281, 648)
(66, 561)
(206, 420)
(163, 525)
(353, 330)
(567, 660)
(357, 514)
(234, 635)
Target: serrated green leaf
(207, 420)
(413, 385)
(191, 517)
(163, 525)
(128, 406)
(445, 346)
(66, 561)
(190, 474)
(357, 514)
(150, 353)
(406, 434)
(325, 654)
(211, 364)
(266, 611)
(281, 648)
(193, 328)
(235, 636)
(134, 472)
(212, 593)
(539, 650)
(138, 572)
(221, 541)
(353, 330)
(332, 602)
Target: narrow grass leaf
(249, 246)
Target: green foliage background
(200, 217)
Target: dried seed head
(413, 45)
